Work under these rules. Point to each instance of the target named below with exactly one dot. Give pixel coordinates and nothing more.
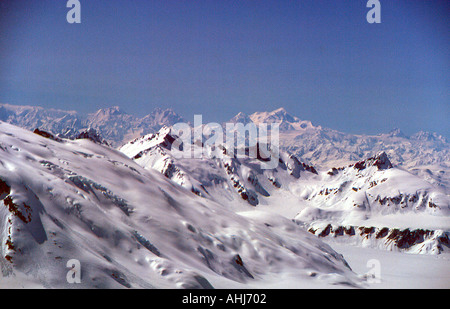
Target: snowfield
(399, 270)
(132, 227)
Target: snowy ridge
(370, 187)
(133, 228)
(213, 176)
(91, 134)
(369, 191)
(382, 181)
(424, 153)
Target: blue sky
(319, 59)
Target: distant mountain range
(112, 123)
(424, 153)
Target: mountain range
(356, 197)
(424, 153)
(131, 227)
(113, 124)
(107, 189)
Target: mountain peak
(396, 132)
(163, 117)
(105, 113)
(282, 114)
(281, 110)
(279, 115)
(240, 118)
(425, 136)
(114, 110)
(381, 160)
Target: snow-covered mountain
(370, 193)
(424, 154)
(119, 127)
(132, 227)
(218, 176)
(327, 148)
(139, 216)
(374, 204)
(34, 117)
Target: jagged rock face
(4, 189)
(381, 161)
(293, 165)
(419, 241)
(90, 134)
(93, 135)
(46, 135)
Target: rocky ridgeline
(90, 134)
(419, 241)
(153, 151)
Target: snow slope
(399, 270)
(373, 204)
(132, 227)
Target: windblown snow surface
(132, 227)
